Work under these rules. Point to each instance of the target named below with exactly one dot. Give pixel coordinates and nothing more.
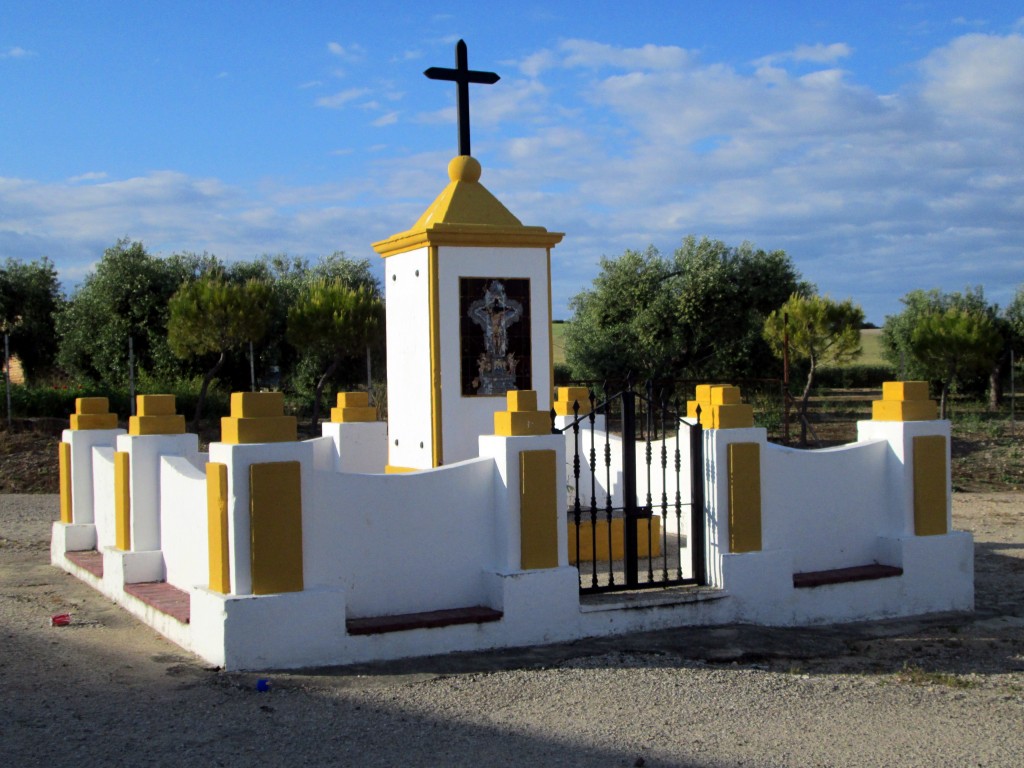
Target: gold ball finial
(464, 168)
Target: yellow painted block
(122, 501)
(154, 405)
(703, 393)
(85, 405)
(648, 544)
(930, 487)
(64, 464)
(250, 405)
(726, 395)
(264, 429)
(391, 469)
(905, 390)
(353, 413)
(744, 497)
(732, 416)
(353, 399)
(275, 500)
(156, 425)
(217, 527)
(517, 423)
(538, 509)
(566, 396)
(521, 400)
(904, 410)
(94, 420)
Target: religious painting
(495, 335)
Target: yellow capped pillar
(904, 401)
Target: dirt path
(943, 690)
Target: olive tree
(212, 315)
(334, 321)
(818, 330)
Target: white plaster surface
(406, 289)
(103, 496)
(358, 446)
(82, 442)
(184, 529)
(144, 453)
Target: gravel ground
(944, 690)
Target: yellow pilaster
(258, 417)
(904, 401)
(64, 464)
(930, 488)
(217, 527)
(522, 416)
(566, 397)
(122, 501)
(275, 500)
(744, 497)
(538, 509)
(721, 407)
(93, 413)
(156, 416)
(352, 407)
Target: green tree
(953, 342)
(125, 296)
(696, 315)
(819, 331)
(334, 321)
(30, 298)
(210, 316)
(899, 347)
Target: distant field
(870, 339)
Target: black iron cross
(462, 76)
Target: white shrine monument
(447, 529)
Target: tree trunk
(804, 402)
(315, 419)
(206, 384)
(943, 399)
(995, 382)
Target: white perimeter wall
(829, 506)
(402, 543)
(184, 534)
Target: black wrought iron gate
(636, 492)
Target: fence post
(629, 511)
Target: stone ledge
(376, 625)
(812, 579)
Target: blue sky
(879, 143)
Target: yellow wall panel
(275, 498)
(122, 501)
(217, 527)
(930, 500)
(744, 497)
(538, 513)
(64, 464)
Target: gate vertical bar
(697, 501)
(629, 510)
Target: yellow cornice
(467, 214)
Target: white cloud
(340, 99)
(388, 119)
(977, 77)
(16, 52)
(347, 53)
(819, 53)
(591, 55)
